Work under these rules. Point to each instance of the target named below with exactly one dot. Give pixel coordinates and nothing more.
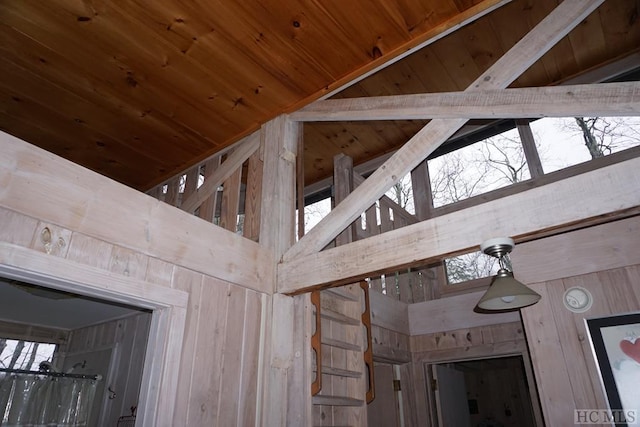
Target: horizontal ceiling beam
(611, 99)
(500, 75)
(521, 216)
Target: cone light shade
(506, 293)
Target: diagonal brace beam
(508, 68)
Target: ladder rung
(339, 317)
(343, 294)
(337, 372)
(336, 401)
(341, 344)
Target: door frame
(482, 353)
(164, 343)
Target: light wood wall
(134, 239)
(606, 261)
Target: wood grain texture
(599, 248)
(500, 75)
(593, 194)
(452, 313)
(32, 179)
(195, 80)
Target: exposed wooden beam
(42, 185)
(522, 216)
(432, 35)
(224, 171)
(456, 312)
(606, 99)
(504, 71)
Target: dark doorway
(483, 393)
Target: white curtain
(40, 400)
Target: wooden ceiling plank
(89, 63)
(483, 44)
(32, 125)
(426, 37)
(529, 49)
(235, 160)
(620, 24)
(203, 37)
(588, 42)
(607, 99)
(593, 194)
(69, 107)
(129, 58)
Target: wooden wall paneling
(128, 263)
(34, 178)
(573, 343)
(598, 248)
(90, 251)
(278, 358)
(130, 337)
(548, 360)
(232, 359)
(134, 346)
(253, 197)
(250, 360)
(353, 387)
(159, 272)
(404, 286)
(408, 394)
(619, 290)
(634, 277)
(300, 375)
(16, 228)
(390, 346)
(389, 314)
(191, 283)
(231, 201)
(602, 306)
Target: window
(568, 141)
(486, 165)
(27, 355)
(469, 266)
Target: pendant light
(505, 292)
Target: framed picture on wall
(616, 343)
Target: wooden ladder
(344, 360)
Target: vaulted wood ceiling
(138, 91)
